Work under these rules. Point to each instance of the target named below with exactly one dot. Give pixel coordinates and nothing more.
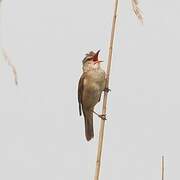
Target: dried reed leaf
(137, 10)
(11, 65)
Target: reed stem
(102, 124)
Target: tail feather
(88, 117)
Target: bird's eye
(89, 59)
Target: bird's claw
(107, 89)
(102, 116)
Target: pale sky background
(41, 133)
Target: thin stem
(162, 168)
(101, 131)
(12, 66)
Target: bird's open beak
(95, 58)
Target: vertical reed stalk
(162, 168)
(137, 12)
(101, 131)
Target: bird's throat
(90, 67)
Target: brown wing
(80, 92)
(88, 113)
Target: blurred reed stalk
(11, 65)
(162, 168)
(7, 59)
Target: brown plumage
(90, 87)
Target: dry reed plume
(137, 10)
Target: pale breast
(94, 84)
(96, 79)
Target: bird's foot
(106, 89)
(102, 116)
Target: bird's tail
(88, 117)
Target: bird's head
(91, 61)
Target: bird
(90, 87)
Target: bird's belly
(91, 97)
(94, 84)
(92, 93)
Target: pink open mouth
(95, 62)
